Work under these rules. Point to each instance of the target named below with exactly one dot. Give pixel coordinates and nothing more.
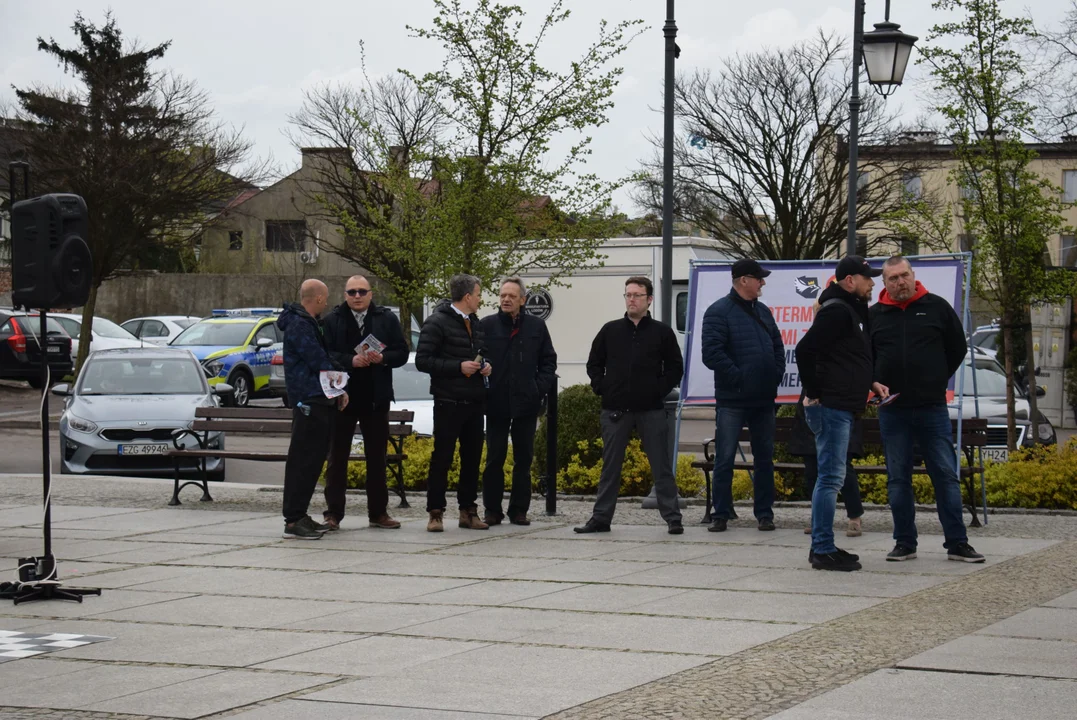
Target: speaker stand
(43, 583)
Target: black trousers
(306, 455)
(453, 422)
(522, 430)
(374, 424)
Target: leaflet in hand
(334, 382)
(370, 344)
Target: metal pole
(666, 296)
(46, 469)
(551, 451)
(854, 123)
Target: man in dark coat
(370, 391)
(834, 360)
(633, 365)
(451, 349)
(525, 368)
(305, 358)
(744, 348)
(918, 343)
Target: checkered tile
(15, 645)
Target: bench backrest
(973, 431)
(277, 421)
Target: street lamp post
(886, 52)
(666, 284)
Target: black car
(20, 353)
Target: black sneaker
(320, 527)
(901, 553)
(766, 524)
(850, 556)
(592, 526)
(718, 525)
(302, 529)
(676, 528)
(963, 552)
(833, 561)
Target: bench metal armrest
(707, 453)
(181, 432)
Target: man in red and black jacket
(918, 343)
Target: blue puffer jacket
(742, 345)
(305, 355)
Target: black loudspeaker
(51, 266)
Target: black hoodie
(834, 356)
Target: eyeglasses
(361, 292)
(635, 296)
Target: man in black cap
(834, 360)
(742, 345)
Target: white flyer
(334, 382)
(370, 344)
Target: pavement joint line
(774, 676)
(987, 673)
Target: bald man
(305, 357)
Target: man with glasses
(634, 363)
(370, 391)
(744, 348)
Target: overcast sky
(255, 57)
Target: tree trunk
(1007, 352)
(405, 324)
(86, 332)
(1033, 410)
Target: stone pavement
(213, 615)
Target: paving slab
(145, 553)
(1000, 656)
(686, 576)
(155, 520)
(222, 581)
(310, 710)
(1065, 601)
(753, 605)
(445, 565)
(108, 601)
(862, 584)
(207, 538)
(1040, 623)
(373, 656)
(904, 694)
(96, 683)
(34, 669)
(600, 597)
(530, 547)
(380, 617)
(133, 577)
(587, 570)
(492, 592)
(663, 552)
(32, 515)
(278, 556)
(536, 676)
(214, 611)
(492, 624)
(356, 587)
(932, 544)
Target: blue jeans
(760, 422)
(930, 429)
(831, 428)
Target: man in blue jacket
(742, 345)
(305, 357)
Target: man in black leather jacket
(451, 350)
(370, 389)
(525, 368)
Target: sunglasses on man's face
(361, 292)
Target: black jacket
(524, 364)
(917, 350)
(305, 355)
(742, 345)
(633, 367)
(834, 356)
(369, 387)
(444, 343)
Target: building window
(235, 239)
(863, 177)
(1068, 256)
(286, 235)
(914, 186)
(862, 245)
(1069, 186)
(909, 247)
(966, 242)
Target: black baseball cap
(855, 265)
(748, 267)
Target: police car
(236, 347)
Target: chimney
(314, 155)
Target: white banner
(790, 293)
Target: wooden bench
(272, 421)
(973, 435)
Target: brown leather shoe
(492, 519)
(519, 519)
(332, 524)
(469, 520)
(385, 522)
(435, 523)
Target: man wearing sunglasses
(370, 389)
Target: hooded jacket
(444, 343)
(744, 348)
(370, 387)
(917, 346)
(305, 355)
(524, 364)
(834, 356)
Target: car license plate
(56, 350)
(998, 455)
(156, 449)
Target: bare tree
(1053, 58)
(760, 164)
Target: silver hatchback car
(121, 413)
